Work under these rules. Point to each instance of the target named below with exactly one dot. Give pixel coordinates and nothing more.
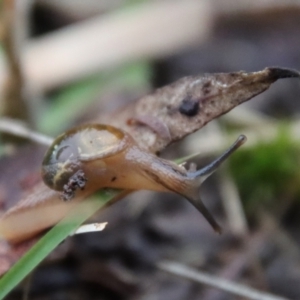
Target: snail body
(104, 156)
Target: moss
(268, 172)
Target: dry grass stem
(19, 129)
(232, 205)
(216, 282)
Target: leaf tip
(278, 73)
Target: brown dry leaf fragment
(183, 107)
(191, 102)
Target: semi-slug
(109, 157)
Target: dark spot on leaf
(189, 107)
(113, 179)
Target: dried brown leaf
(191, 102)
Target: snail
(107, 157)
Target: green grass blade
(51, 240)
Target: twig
(213, 281)
(19, 129)
(14, 95)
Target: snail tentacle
(203, 173)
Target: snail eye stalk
(205, 172)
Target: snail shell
(71, 149)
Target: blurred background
(67, 62)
